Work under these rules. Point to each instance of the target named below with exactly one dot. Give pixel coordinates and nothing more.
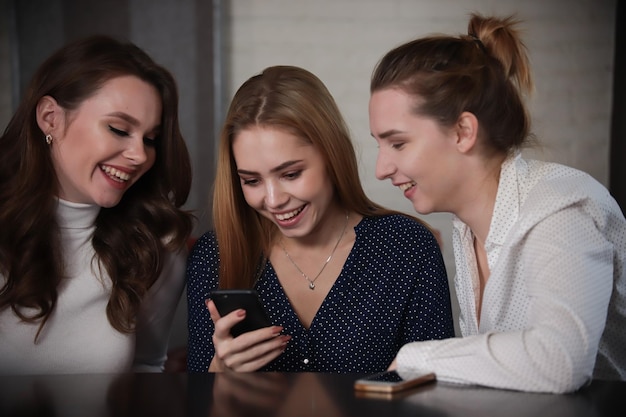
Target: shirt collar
(506, 207)
(76, 215)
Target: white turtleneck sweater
(78, 337)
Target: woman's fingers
(247, 352)
(257, 356)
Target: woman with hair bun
(539, 247)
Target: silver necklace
(309, 280)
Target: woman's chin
(422, 208)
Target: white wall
(571, 45)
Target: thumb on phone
(224, 324)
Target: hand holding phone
(227, 301)
(392, 381)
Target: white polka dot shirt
(393, 289)
(554, 306)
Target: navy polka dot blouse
(392, 290)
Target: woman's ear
(467, 132)
(49, 116)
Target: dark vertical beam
(10, 20)
(208, 15)
(43, 26)
(39, 32)
(617, 171)
(89, 17)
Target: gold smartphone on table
(390, 382)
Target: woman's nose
(275, 196)
(384, 167)
(136, 151)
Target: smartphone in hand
(227, 301)
(392, 382)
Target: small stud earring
(48, 139)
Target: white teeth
(406, 185)
(287, 216)
(116, 174)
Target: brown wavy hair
(130, 239)
(293, 99)
(486, 72)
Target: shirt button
(306, 361)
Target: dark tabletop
(276, 394)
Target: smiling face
(284, 178)
(414, 152)
(104, 146)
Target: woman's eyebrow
(273, 170)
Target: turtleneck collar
(76, 215)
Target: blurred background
(212, 46)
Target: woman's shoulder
(203, 260)
(396, 225)
(208, 238)
(394, 221)
(398, 241)
(205, 245)
(555, 185)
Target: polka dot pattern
(556, 251)
(393, 289)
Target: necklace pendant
(312, 283)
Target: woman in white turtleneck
(93, 171)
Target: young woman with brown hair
(93, 174)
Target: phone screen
(389, 376)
